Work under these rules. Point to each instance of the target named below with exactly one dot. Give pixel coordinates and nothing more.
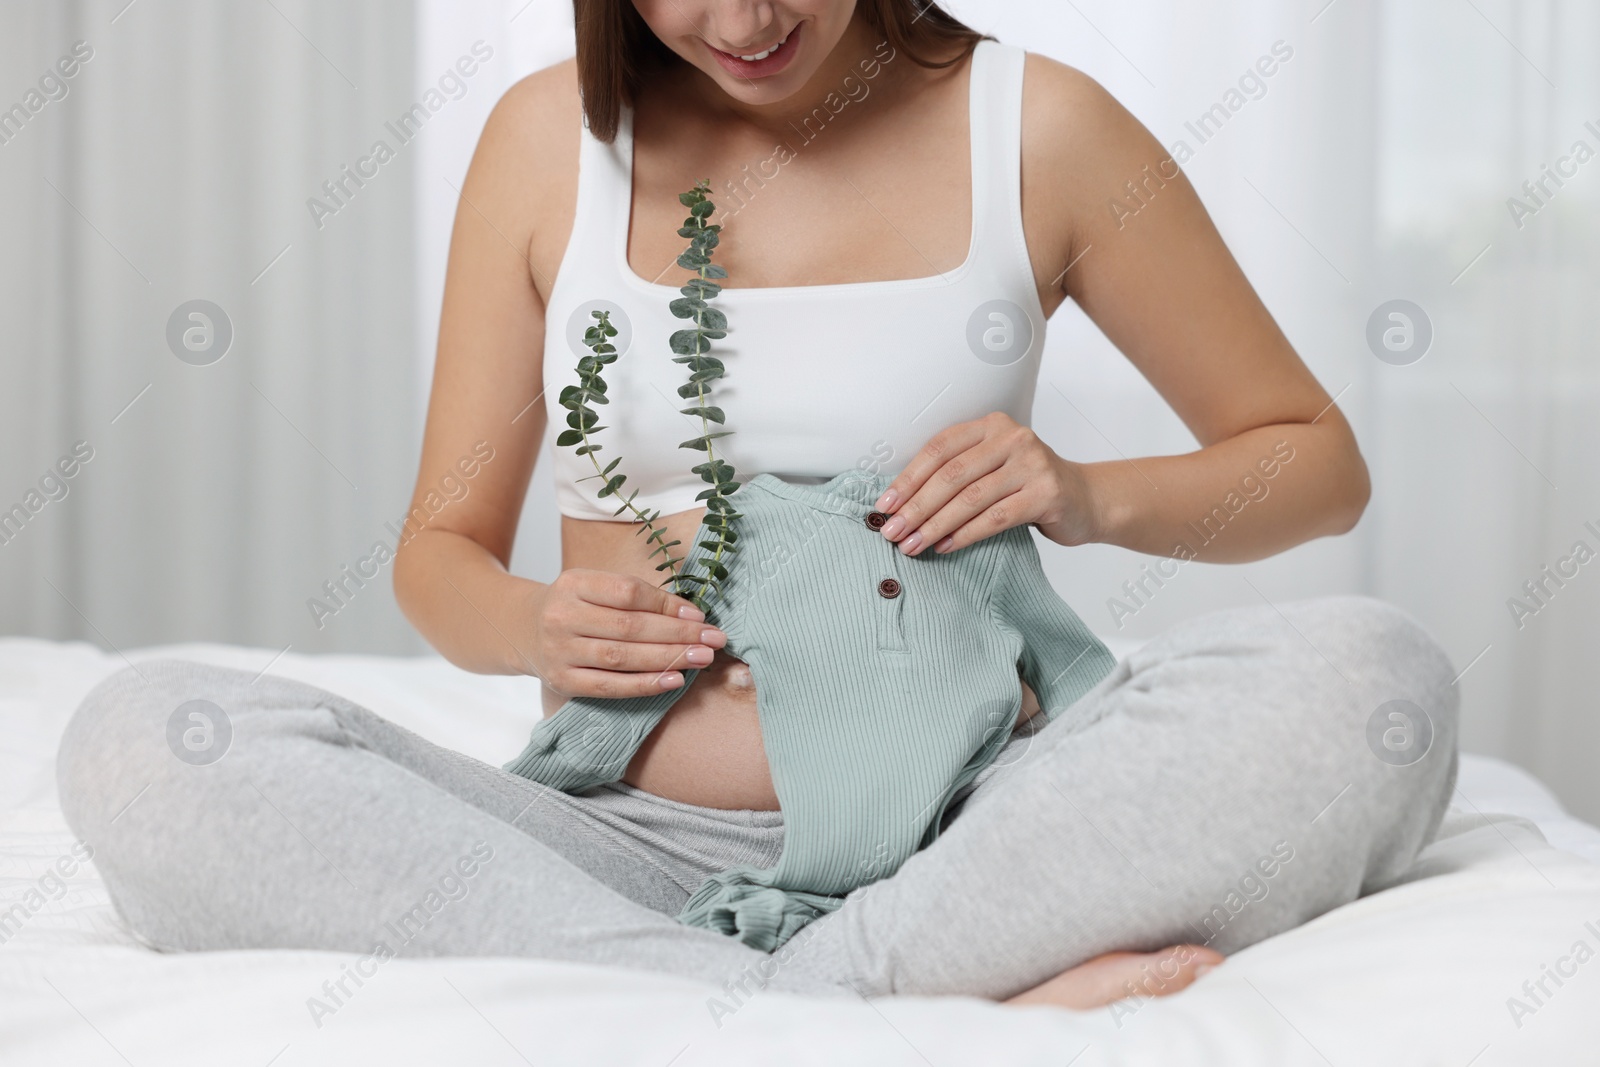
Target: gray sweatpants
(1237, 776)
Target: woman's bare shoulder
(529, 145)
(1080, 145)
(1074, 122)
(542, 102)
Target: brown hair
(616, 50)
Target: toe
(1117, 975)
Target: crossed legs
(1220, 786)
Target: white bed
(1418, 974)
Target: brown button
(876, 519)
(888, 589)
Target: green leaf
(701, 288)
(686, 342)
(567, 394)
(702, 443)
(587, 449)
(689, 391)
(707, 413)
(689, 199)
(703, 209)
(714, 271)
(612, 465)
(712, 319)
(693, 260)
(569, 437)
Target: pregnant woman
(905, 203)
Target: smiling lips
(765, 54)
(759, 64)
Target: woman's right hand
(602, 634)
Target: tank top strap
(997, 155)
(605, 191)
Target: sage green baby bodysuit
(884, 683)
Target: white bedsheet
(1418, 974)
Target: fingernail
(712, 637)
(693, 614)
(910, 544)
(671, 680)
(1204, 969)
(893, 528)
(888, 500)
(946, 545)
(699, 656)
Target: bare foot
(1116, 975)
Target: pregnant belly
(707, 749)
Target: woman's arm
(589, 632)
(1162, 286)
(450, 578)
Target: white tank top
(918, 354)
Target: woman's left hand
(978, 478)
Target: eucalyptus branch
(692, 346)
(583, 422)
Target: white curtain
(176, 164)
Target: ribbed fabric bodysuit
(884, 683)
(918, 354)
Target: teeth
(763, 55)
